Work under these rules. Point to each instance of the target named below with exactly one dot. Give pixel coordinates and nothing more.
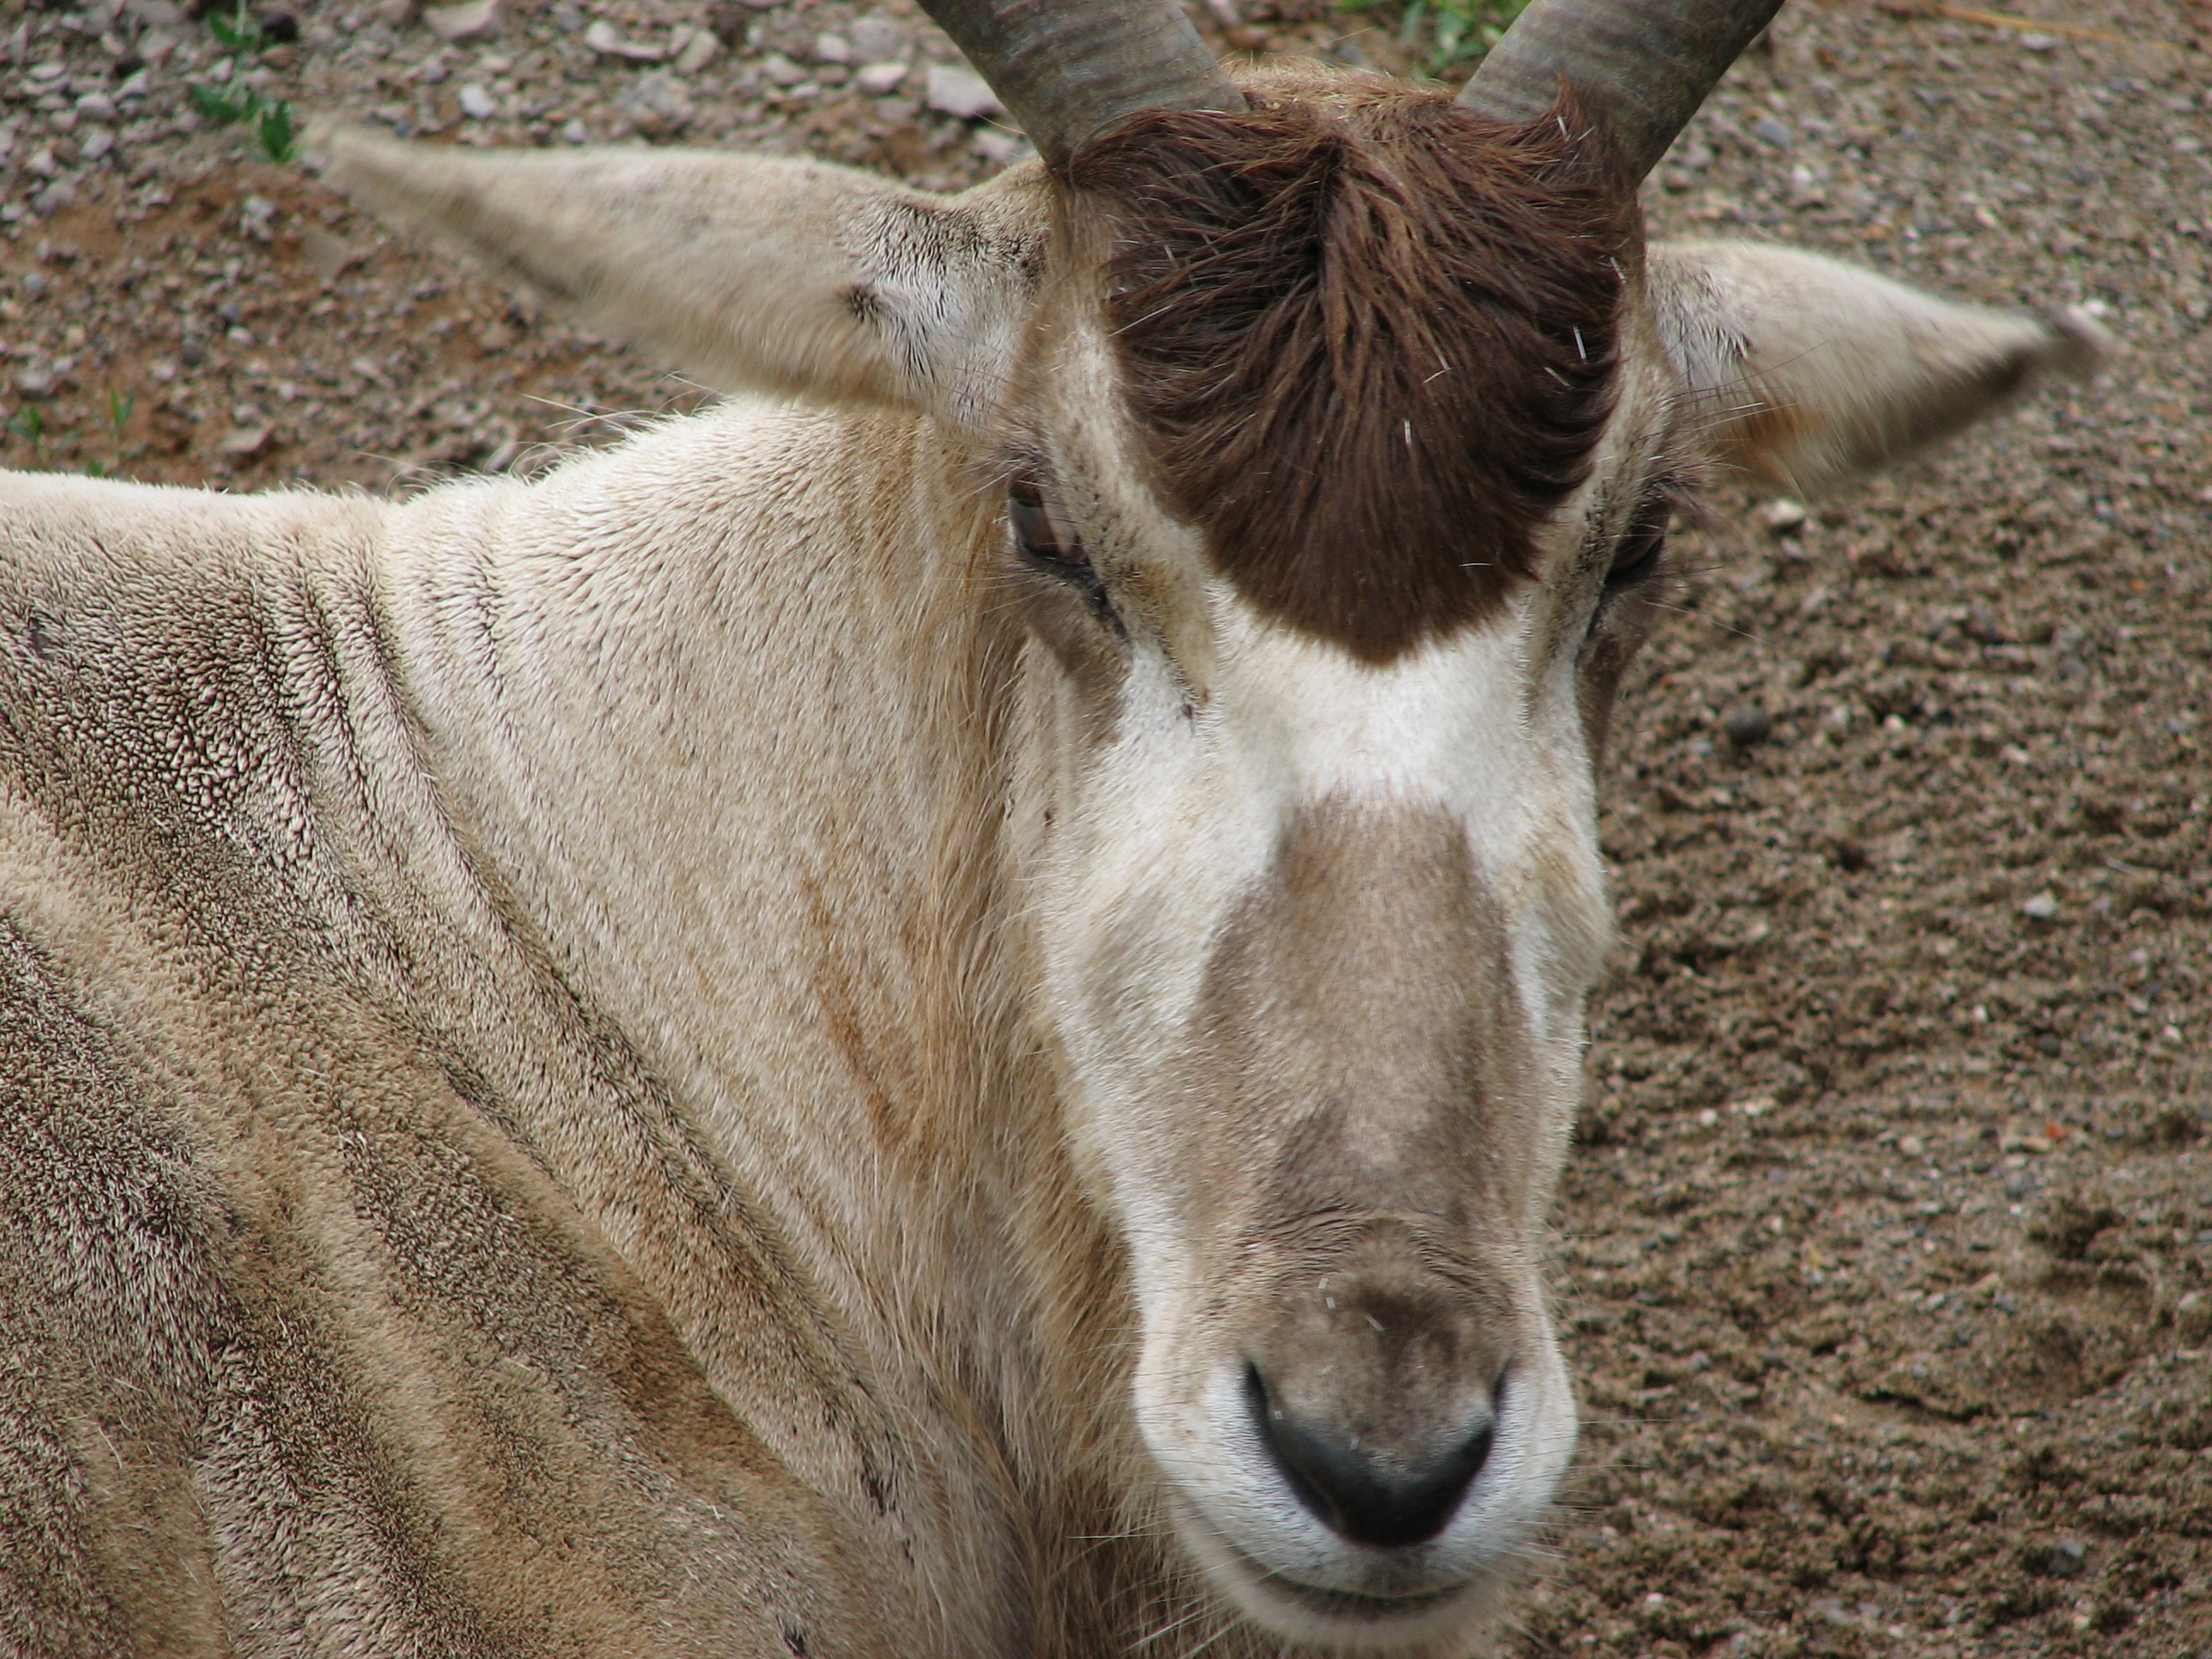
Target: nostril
(1378, 1501)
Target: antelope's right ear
(749, 272)
(1807, 372)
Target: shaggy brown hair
(1371, 343)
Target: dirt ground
(1886, 1255)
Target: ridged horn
(1648, 63)
(1067, 69)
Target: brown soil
(1887, 1257)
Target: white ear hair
(750, 272)
(1806, 371)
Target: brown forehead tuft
(1370, 341)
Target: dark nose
(1369, 1497)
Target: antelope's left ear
(1807, 372)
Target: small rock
(325, 254)
(496, 336)
(35, 383)
(999, 148)
(2192, 1318)
(259, 208)
(41, 163)
(876, 37)
(2043, 907)
(467, 22)
(571, 132)
(1748, 726)
(2019, 1183)
(1784, 517)
(603, 37)
(477, 104)
(249, 441)
(832, 49)
(96, 106)
(880, 80)
(960, 93)
(1772, 131)
(699, 50)
(2065, 1558)
(657, 103)
(433, 71)
(781, 71)
(93, 142)
(57, 198)
(2036, 40)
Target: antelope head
(1337, 428)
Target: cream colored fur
(592, 1066)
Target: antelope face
(1316, 874)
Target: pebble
(880, 80)
(1784, 517)
(462, 23)
(2043, 907)
(603, 38)
(832, 49)
(477, 104)
(1773, 131)
(876, 36)
(2066, 1559)
(1748, 726)
(959, 93)
(1001, 149)
(781, 71)
(699, 51)
(657, 103)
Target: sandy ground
(1887, 1256)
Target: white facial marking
(1180, 816)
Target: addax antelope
(933, 1013)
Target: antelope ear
(1807, 372)
(750, 272)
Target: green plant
(269, 119)
(119, 407)
(1447, 34)
(30, 425)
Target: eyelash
(1645, 539)
(1043, 547)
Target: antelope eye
(1638, 555)
(1046, 545)
(1038, 533)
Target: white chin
(1450, 1620)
